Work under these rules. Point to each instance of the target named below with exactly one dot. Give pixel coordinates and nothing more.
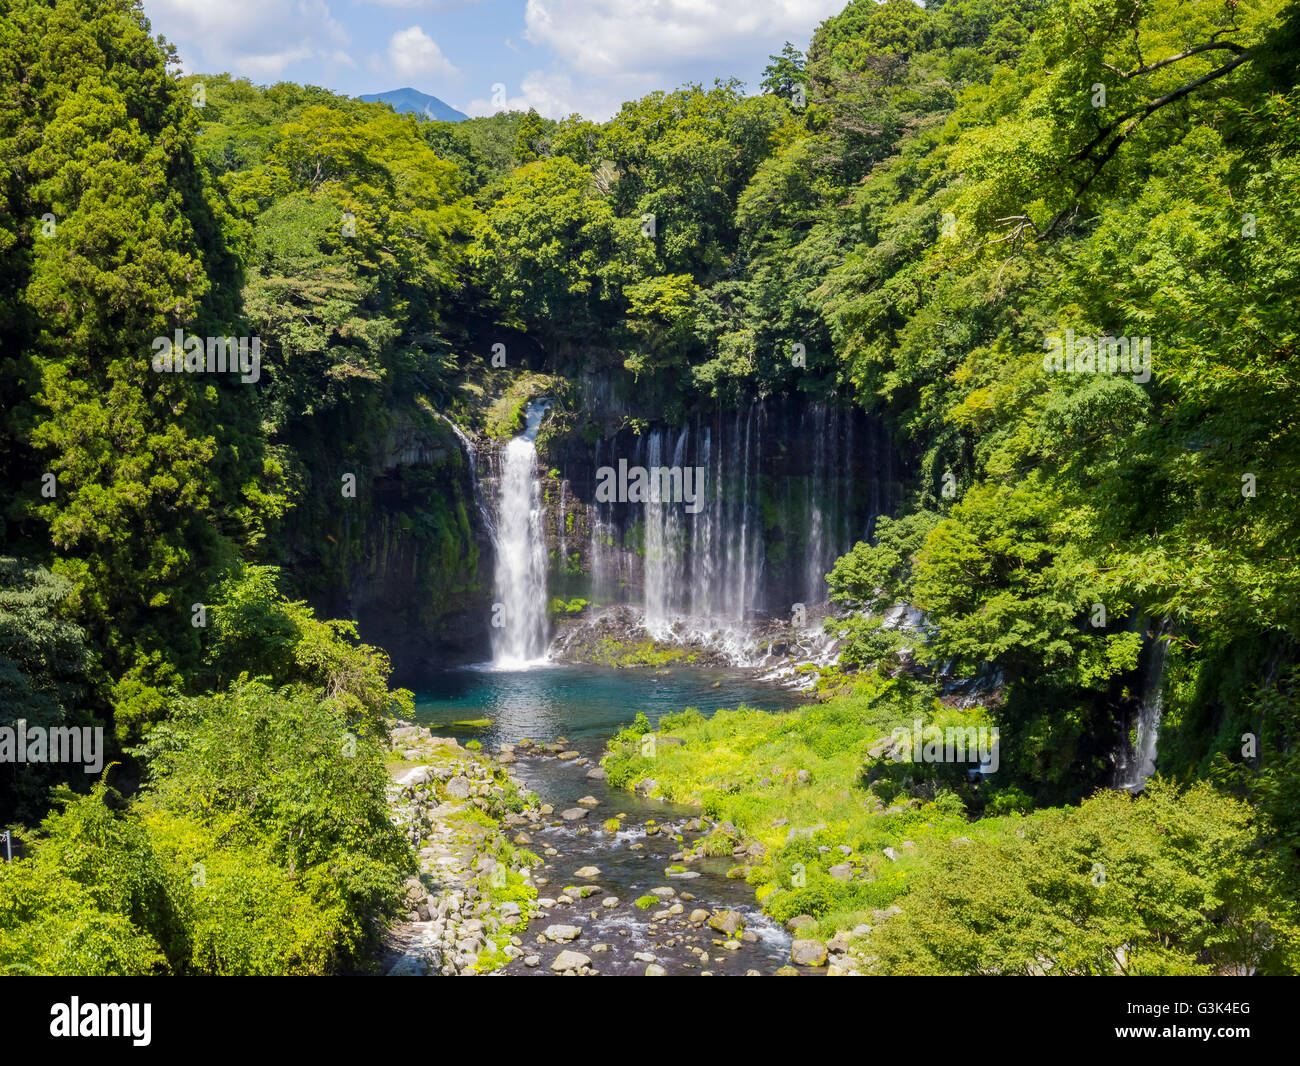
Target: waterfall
(1135, 766)
(743, 526)
(815, 563)
(703, 577)
(563, 568)
(785, 487)
(664, 539)
(596, 551)
(701, 570)
(654, 545)
(708, 568)
(520, 614)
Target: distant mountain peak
(417, 103)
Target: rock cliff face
(785, 486)
(409, 556)
(780, 488)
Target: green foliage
(950, 197)
(548, 249)
(160, 478)
(1169, 883)
(278, 811)
(784, 72)
(93, 899)
(531, 139)
(562, 608)
(44, 672)
(257, 632)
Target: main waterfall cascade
(785, 487)
(520, 625)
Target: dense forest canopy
(915, 207)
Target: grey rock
(567, 961)
(808, 953)
(728, 921)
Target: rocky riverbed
(618, 636)
(596, 882)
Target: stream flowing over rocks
(622, 887)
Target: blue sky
(558, 56)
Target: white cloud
(552, 96)
(601, 39)
(258, 38)
(413, 54)
(423, 5)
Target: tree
(45, 670)
(1169, 883)
(784, 72)
(550, 250)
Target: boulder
(418, 775)
(808, 953)
(729, 922)
(567, 960)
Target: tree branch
(1149, 67)
(1129, 121)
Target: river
(587, 705)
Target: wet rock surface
(447, 799)
(606, 902)
(619, 880)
